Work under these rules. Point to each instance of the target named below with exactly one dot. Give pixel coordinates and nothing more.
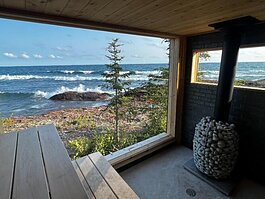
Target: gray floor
(163, 177)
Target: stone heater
(215, 147)
(216, 142)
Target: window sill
(138, 150)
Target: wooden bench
(35, 165)
(100, 179)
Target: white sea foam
(67, 71)
(81, 88)
(21, 77)
(153, 72)
(87, 71)
(79, 71)
(71, 71)
(41, 94)
(66, 78)
(137, 72)
(59, 78)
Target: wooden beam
(180, 87)
(172, 85)
(78, 23)
(195, 65)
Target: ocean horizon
(25, 90)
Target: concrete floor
(163, 177)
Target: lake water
(25, 90)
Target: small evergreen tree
(116, 80)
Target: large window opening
(66, 76)
(250, 70)
(205, 66)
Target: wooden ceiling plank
(213, 14)
(109, 9)
(34, 5)
(91, 8)
(79, 23)
(173, 11)
(141, 16)
(74, 7)
(158, 10)
(55, 7)
(16, 4)
(129, 10)
(191, 23)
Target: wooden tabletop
(35, 165)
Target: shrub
(80, 147)
(103, 143)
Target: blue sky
(253, 54)
(26, 43)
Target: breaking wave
(72, 71)
(67, 78)
(81, 88)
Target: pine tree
(116, 80)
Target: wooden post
(195, 64)
(172, 85)
(176, 86)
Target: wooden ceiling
(166, 18)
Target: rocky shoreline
(74, 123)
(254, 84)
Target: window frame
(136, 151)
(195, 66)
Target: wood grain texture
(18, 4)
(62, 178)
(175, 17)
(30, 179)
(7, 160)
(34, 5)
(172, 94)
(91, 8)
(55, 6)
(74, 22)
(180, 87)
(114, 180)
(94, 179)
(74, 6)
(83, 180)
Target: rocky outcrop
(76, 96)
(258, 83)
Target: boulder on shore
(76, 96)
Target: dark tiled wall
(247, 110)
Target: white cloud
(67, 48)
(25, 56)
(37, 56)
(11, 55)
(55, 56)
(52, 56)
(250, 54)
(137, 56)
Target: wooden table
(35, 165)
